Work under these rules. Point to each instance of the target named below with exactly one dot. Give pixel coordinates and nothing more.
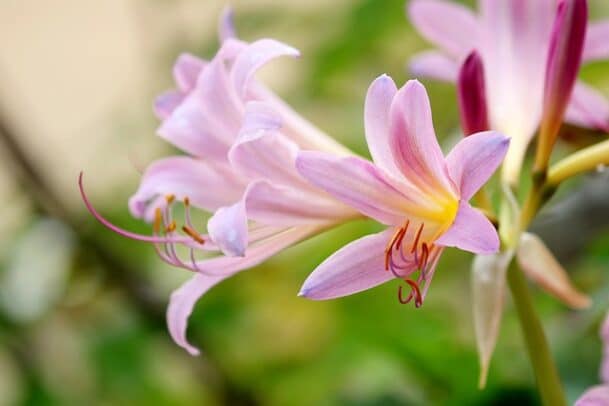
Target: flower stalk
(545, 370)
(581, 161)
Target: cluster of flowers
(270, 179)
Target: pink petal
(189, 129)
(597, 45)
(412, 137)
(471, 92)
(260, 116)
(450, 26)
(186, 177)
(166, 103)
(488, 299)
(261, 152)
(376, 117)
(434, 65)
(474, 159)
(181, 304)
(230, 49)
(228, 229)
(358, 266)
(356, 182)
(539, 265)
(588, 108)
(514, 49)
(272, 204)
(294, 126)
(257, 252)
(226, 24)
(471, 231)
(208, 121)
(183, 299)
(255, 56)
(595, 396)
(186, 70)
(222, 106)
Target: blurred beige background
(74, 74)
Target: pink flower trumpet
(241, 143)
(421, 195)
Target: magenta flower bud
(472, 96)
(564, 59)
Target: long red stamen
(398, 234)
(106, 223)
(415, 292)
(416, 239)
(424, 257)
(401, 297)
(398, 243)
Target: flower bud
(564, 59)
(471, 95)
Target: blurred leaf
(539, 265)
(37, 271)
(488, 291)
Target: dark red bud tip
(471, 95)
(564, 60)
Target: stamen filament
(415, 293)
(416, 239)
(106, 223)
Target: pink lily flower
(421, 195)
(513, 39)
(241, 143)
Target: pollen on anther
(171, 227)
(186, 201)
(158, 219)
(170, 198)
(192, 233)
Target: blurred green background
(82, 309)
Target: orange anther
(158, 219)
(170, 227)
(192, 233)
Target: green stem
(546, 374)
